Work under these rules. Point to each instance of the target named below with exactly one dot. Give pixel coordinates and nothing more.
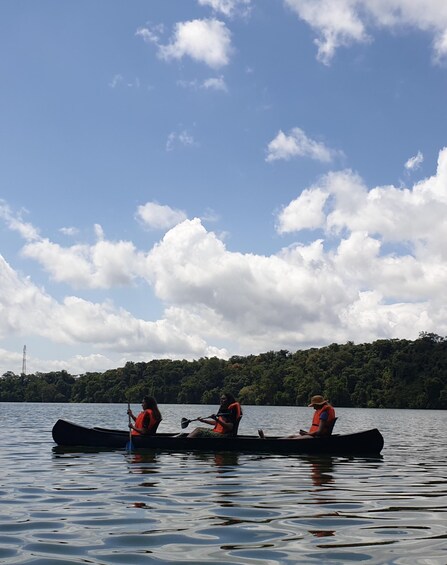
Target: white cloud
(414, 162)
(70, 231)
(116, 81)
(303, 295)
(205, 41)
(417, 215)
(215, 83)
(212, 83)
(297, 144)
(377, 270)
(183, 138)
(305, 212)
(16, 223)
(341, 23)
(103, 265)
(29, 311)
(229, 8)
(150, 33)
(157, 216)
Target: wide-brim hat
(317, 400)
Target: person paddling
(225, 422)
(323, 420)
(147, 421)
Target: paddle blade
(184, 423)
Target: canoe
(368, 442)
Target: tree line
(392, 373)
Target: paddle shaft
(130, 429)
(185, 422)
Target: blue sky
(192, 178)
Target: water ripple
(60, 508)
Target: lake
(61, 508)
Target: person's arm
(131, 414)
(208, 421)
(228, 419)
(218, 419)
(227, 426)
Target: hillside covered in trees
(391, 373)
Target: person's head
(149, 403)
(226, 398)
(317, 402)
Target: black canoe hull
(369, 442)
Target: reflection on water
(60, 506)
(322, 469)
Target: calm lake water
(126, 508)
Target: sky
(196, 178)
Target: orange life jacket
(142, 419)
(328, 423)
(236, 407)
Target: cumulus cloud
(28, 310)
(297, 144)
(377, 269)
(341, 201)
(158, 216)
(103, 265)
(206, 41)
(302, 295)
(305, 212)
(340, 23)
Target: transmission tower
(24, 361)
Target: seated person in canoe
(225, 423)
(147, 421)
(323, 420)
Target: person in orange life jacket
(225, 422)
(322, 422)
(146, 423)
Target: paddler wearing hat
(322, 422)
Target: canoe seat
(236, 426)
(332, 426)
(154, 429)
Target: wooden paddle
(129, 445)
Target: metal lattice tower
(24, 361)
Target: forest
(392, 373)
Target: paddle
(129, 445)
(185, 422)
